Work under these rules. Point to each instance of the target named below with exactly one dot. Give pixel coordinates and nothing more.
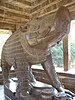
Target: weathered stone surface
(29, 45)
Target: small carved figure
(30, 45)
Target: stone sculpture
(30, 45)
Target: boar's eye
(23, 28)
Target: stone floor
(2, 92)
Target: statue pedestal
(10, 89)
(38, 87)
(40, 91)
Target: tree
(72, 50)
(57, 54)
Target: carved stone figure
(31, 45)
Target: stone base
(10, 90)
(36, 92)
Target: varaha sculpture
(31, 45)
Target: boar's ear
(62, 20)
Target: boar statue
(30, 45)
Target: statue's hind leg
(5, 70)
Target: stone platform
(10, 90)
(40, 91)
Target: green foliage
(72, 50)
(57, 53)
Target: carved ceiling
(14, 13)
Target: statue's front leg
(50, 70)
(22, 73)
(32, 78)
